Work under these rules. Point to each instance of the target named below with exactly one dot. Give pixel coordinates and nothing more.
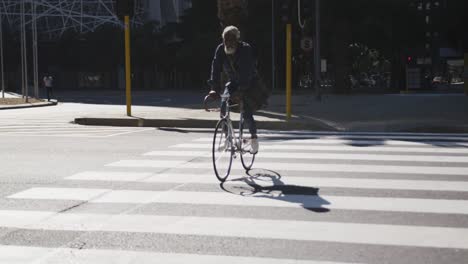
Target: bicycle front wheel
(247, 158)
(222, 151)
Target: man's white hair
(231, 30)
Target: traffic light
(285, 11)
(410, 60)
(124, 8)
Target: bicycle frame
(232, 137)
(230, 142)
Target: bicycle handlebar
(210, 99)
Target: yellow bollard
(288, 69)
(128, 80)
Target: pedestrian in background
(48, 84)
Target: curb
(28, 105)
(273, 125)
(437, 129)
(196, 123)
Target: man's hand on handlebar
(212, 97)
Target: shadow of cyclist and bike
(268, 184)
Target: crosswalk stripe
(308, 132)
(327, 156)
(354, 142)
(65, 126)
(208, 178)
(21, 254)
(437, 206)
(22, 218)
(374, 234)
(109, 176)
(71, 130)
(358, 135)
(340, 148)
(82, 194)
(181, 164)
(57, 132)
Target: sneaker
(254, 146)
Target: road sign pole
(317, 50)
(288, 69)
(128, 81)
(1, 57)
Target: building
(164, 11)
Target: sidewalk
(438, 113)
(15, 101)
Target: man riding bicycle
(235, 59)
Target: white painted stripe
(182, 178)
(53, 135)
(80, 194)
(431, 170)
(204, 178)
(387, 134)
(129, 196)
(178, 153)
(129, 132)
(433, 144)
(436, 206)
(355, 142)
(110, 176)
(66, 126)
(49, 128)
(40, 131)
(339, 148)
(358, 135)
(389, 184)
(10, 218)
(20, 255)
(321, 156)
(375, 234)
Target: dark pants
(247, 114)
(49, 92)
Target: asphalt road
(74, 194)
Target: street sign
(307, 44)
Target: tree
(232, 12)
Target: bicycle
(227, 144)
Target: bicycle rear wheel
(247, 158)
(222, 151)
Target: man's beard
(229, 51)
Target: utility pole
(273, 47)
(317, 51)
(34, 37)
(24, 58)
(128, 80)
(288, 69)
(124, 10)
(1, 57)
